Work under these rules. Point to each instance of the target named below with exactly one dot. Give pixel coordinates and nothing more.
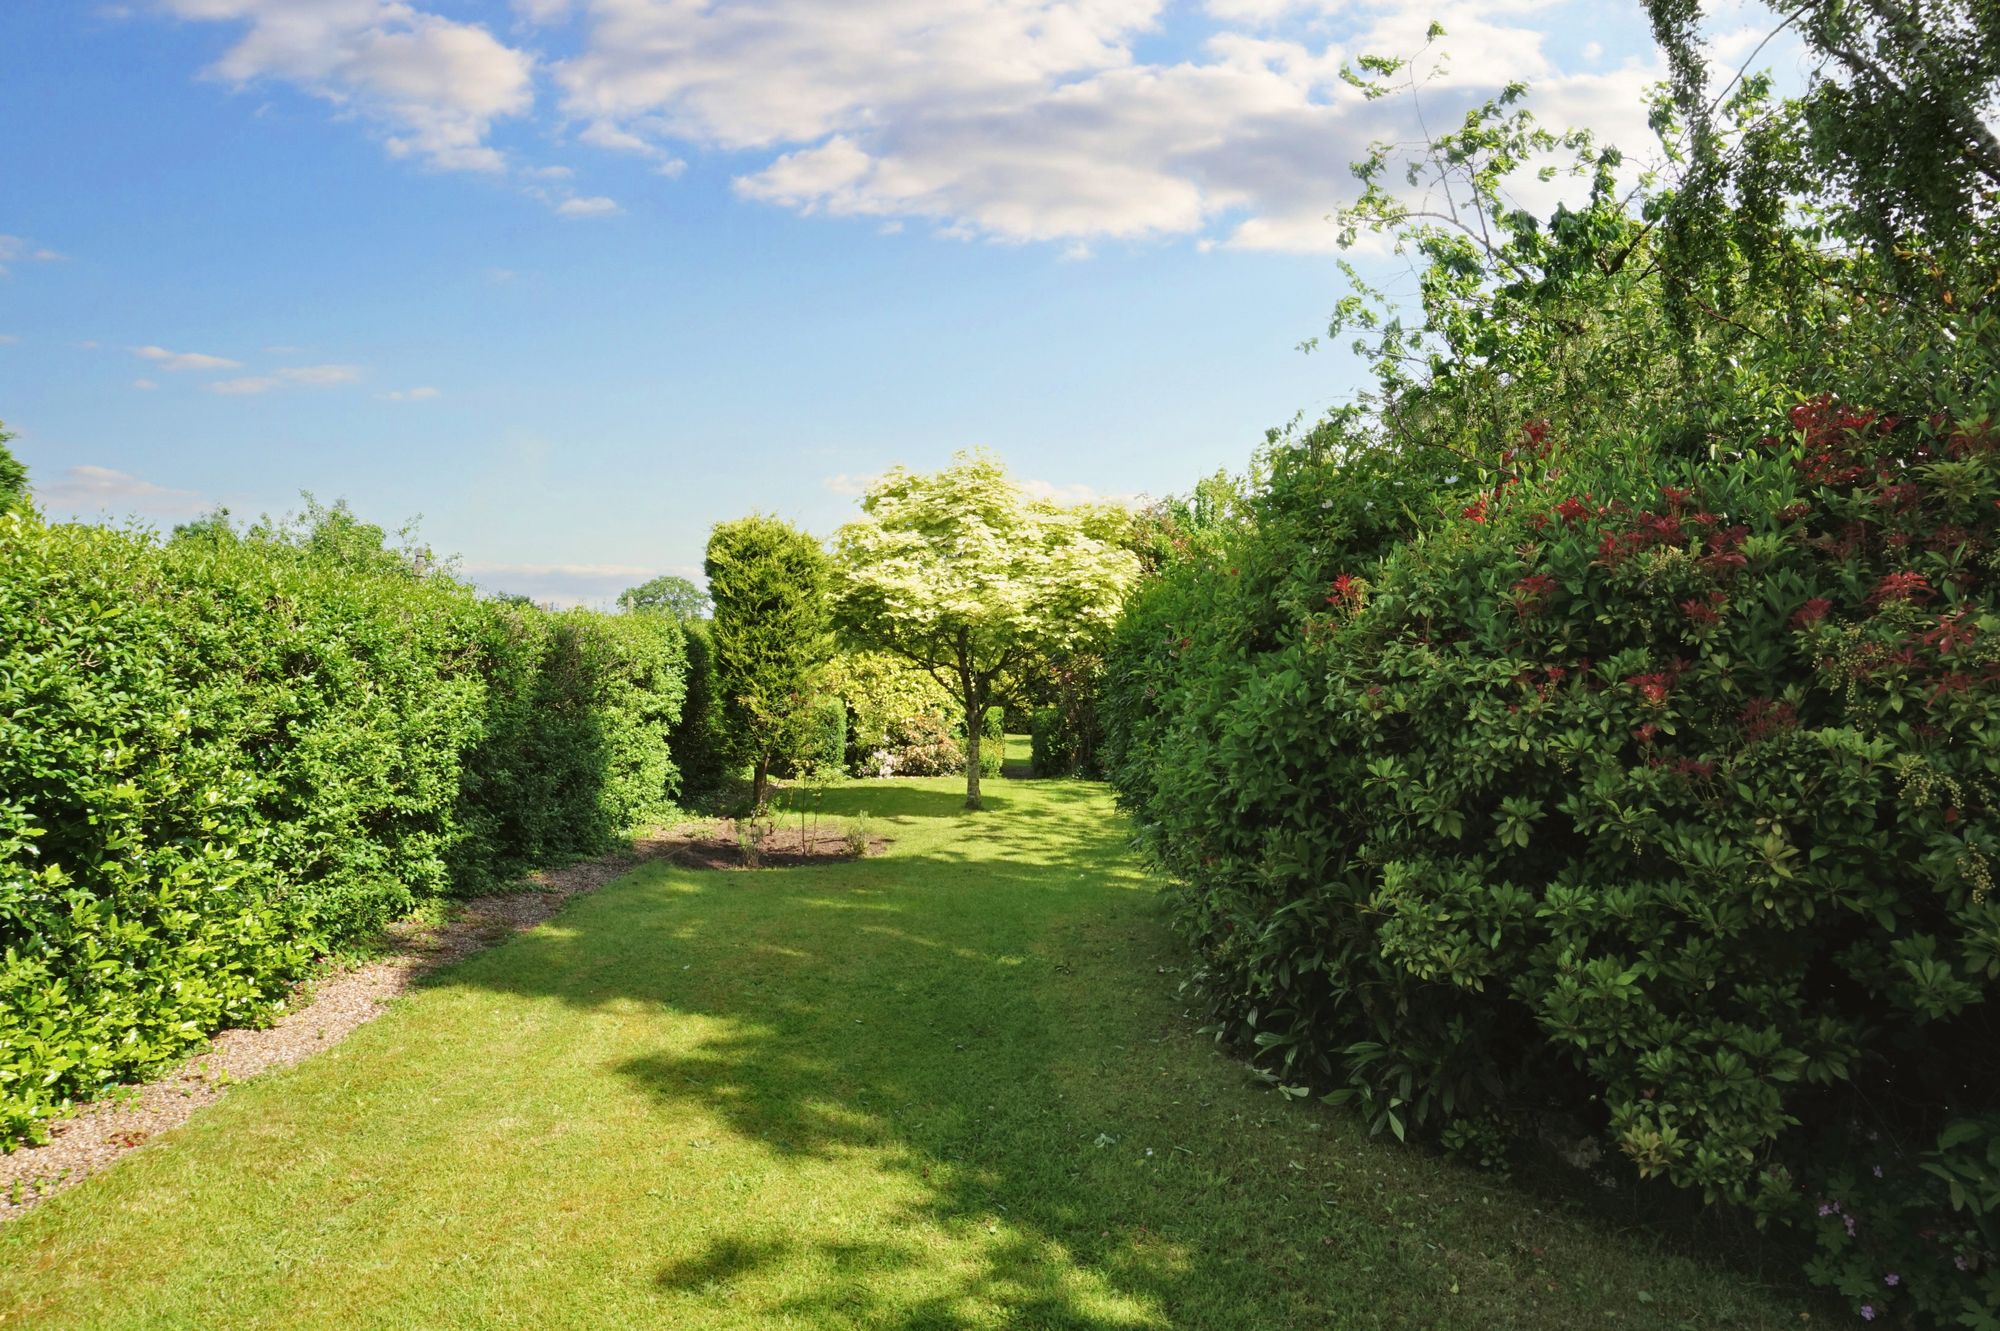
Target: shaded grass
(949, 1087)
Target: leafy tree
(1893, 135)
(666, 595)
(772, 636)
(336, 535)
(961, 573)
(13, 476)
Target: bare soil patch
(727, 843)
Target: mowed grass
(953, 1086)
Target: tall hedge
(1659, 802)
(220, 757)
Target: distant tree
(772, 634)
(13, 475)
(214, 525)
(668, 595)
(964, 575)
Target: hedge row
(1662, 806)
(221, 757)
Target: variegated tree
(964, 574)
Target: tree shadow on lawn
(987, 1028)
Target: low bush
(992, 740)
(897, 717)
(223, 756)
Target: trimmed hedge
(221, 757)
(698, 742)
(1660, 806)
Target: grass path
(950, 1087)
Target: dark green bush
(1659, 804)
(222, 757)
(1068, 738)
(698, 746)
(828, 748)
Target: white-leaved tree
(965, 575)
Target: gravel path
(98, 1134)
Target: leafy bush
(1068, 737)
(13, 475)
(1664, 804)
(697, 744)
(896, 715)
(221, 757)
(993, 740)
(828, 750)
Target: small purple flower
(1867, 1312)
(1892, 1280)
(1848, 1220)
(1878, 1171)
(1961, 1263)
(1828, 1208)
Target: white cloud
(9, 339)
(564, 584)
(82, 490)
(144, 385)
(422, 393)
(320, 376)
(1037, 120)
(293, 376)
(1011, 120)
(1073, 493)
(849, 485)
(18, 249)
(185, 360)
(246, 386)
(434, 86)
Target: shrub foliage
(222, 756)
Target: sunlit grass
(953, 1086)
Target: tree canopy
(963, 574)
(666, 595)
(772, 635)
(13, 475)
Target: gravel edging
(99, 1133)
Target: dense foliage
(699, 743)
(773, 637)
(962, 574)
(13, 476)
(223, 755)
(898, 717)
(1592, 729)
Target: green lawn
(950, 1087)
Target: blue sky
(574, 279)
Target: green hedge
(1662, 806)
(697, 743)
(220, 757)
(992, 741)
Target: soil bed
(720, 845)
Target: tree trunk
(974, 720)
(759, 783)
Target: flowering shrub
(1665, 808)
